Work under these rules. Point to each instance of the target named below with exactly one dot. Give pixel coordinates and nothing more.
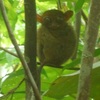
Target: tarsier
(56, 39)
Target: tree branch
(84, 17)
(60, 67)
(77, 30)
(88, 51)
(9, 52)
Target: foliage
(56, 83)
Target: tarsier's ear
(68, 14)
(39, 18)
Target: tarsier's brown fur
(56, 39)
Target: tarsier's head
(55, 19)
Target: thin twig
(9, 52)
(84, 17)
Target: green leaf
(73, 64)
(79, 5)
(3, 59)
(97, 52)
(68, 84)
(12, 81)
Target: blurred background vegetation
(57, 84)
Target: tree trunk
(30, 45)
